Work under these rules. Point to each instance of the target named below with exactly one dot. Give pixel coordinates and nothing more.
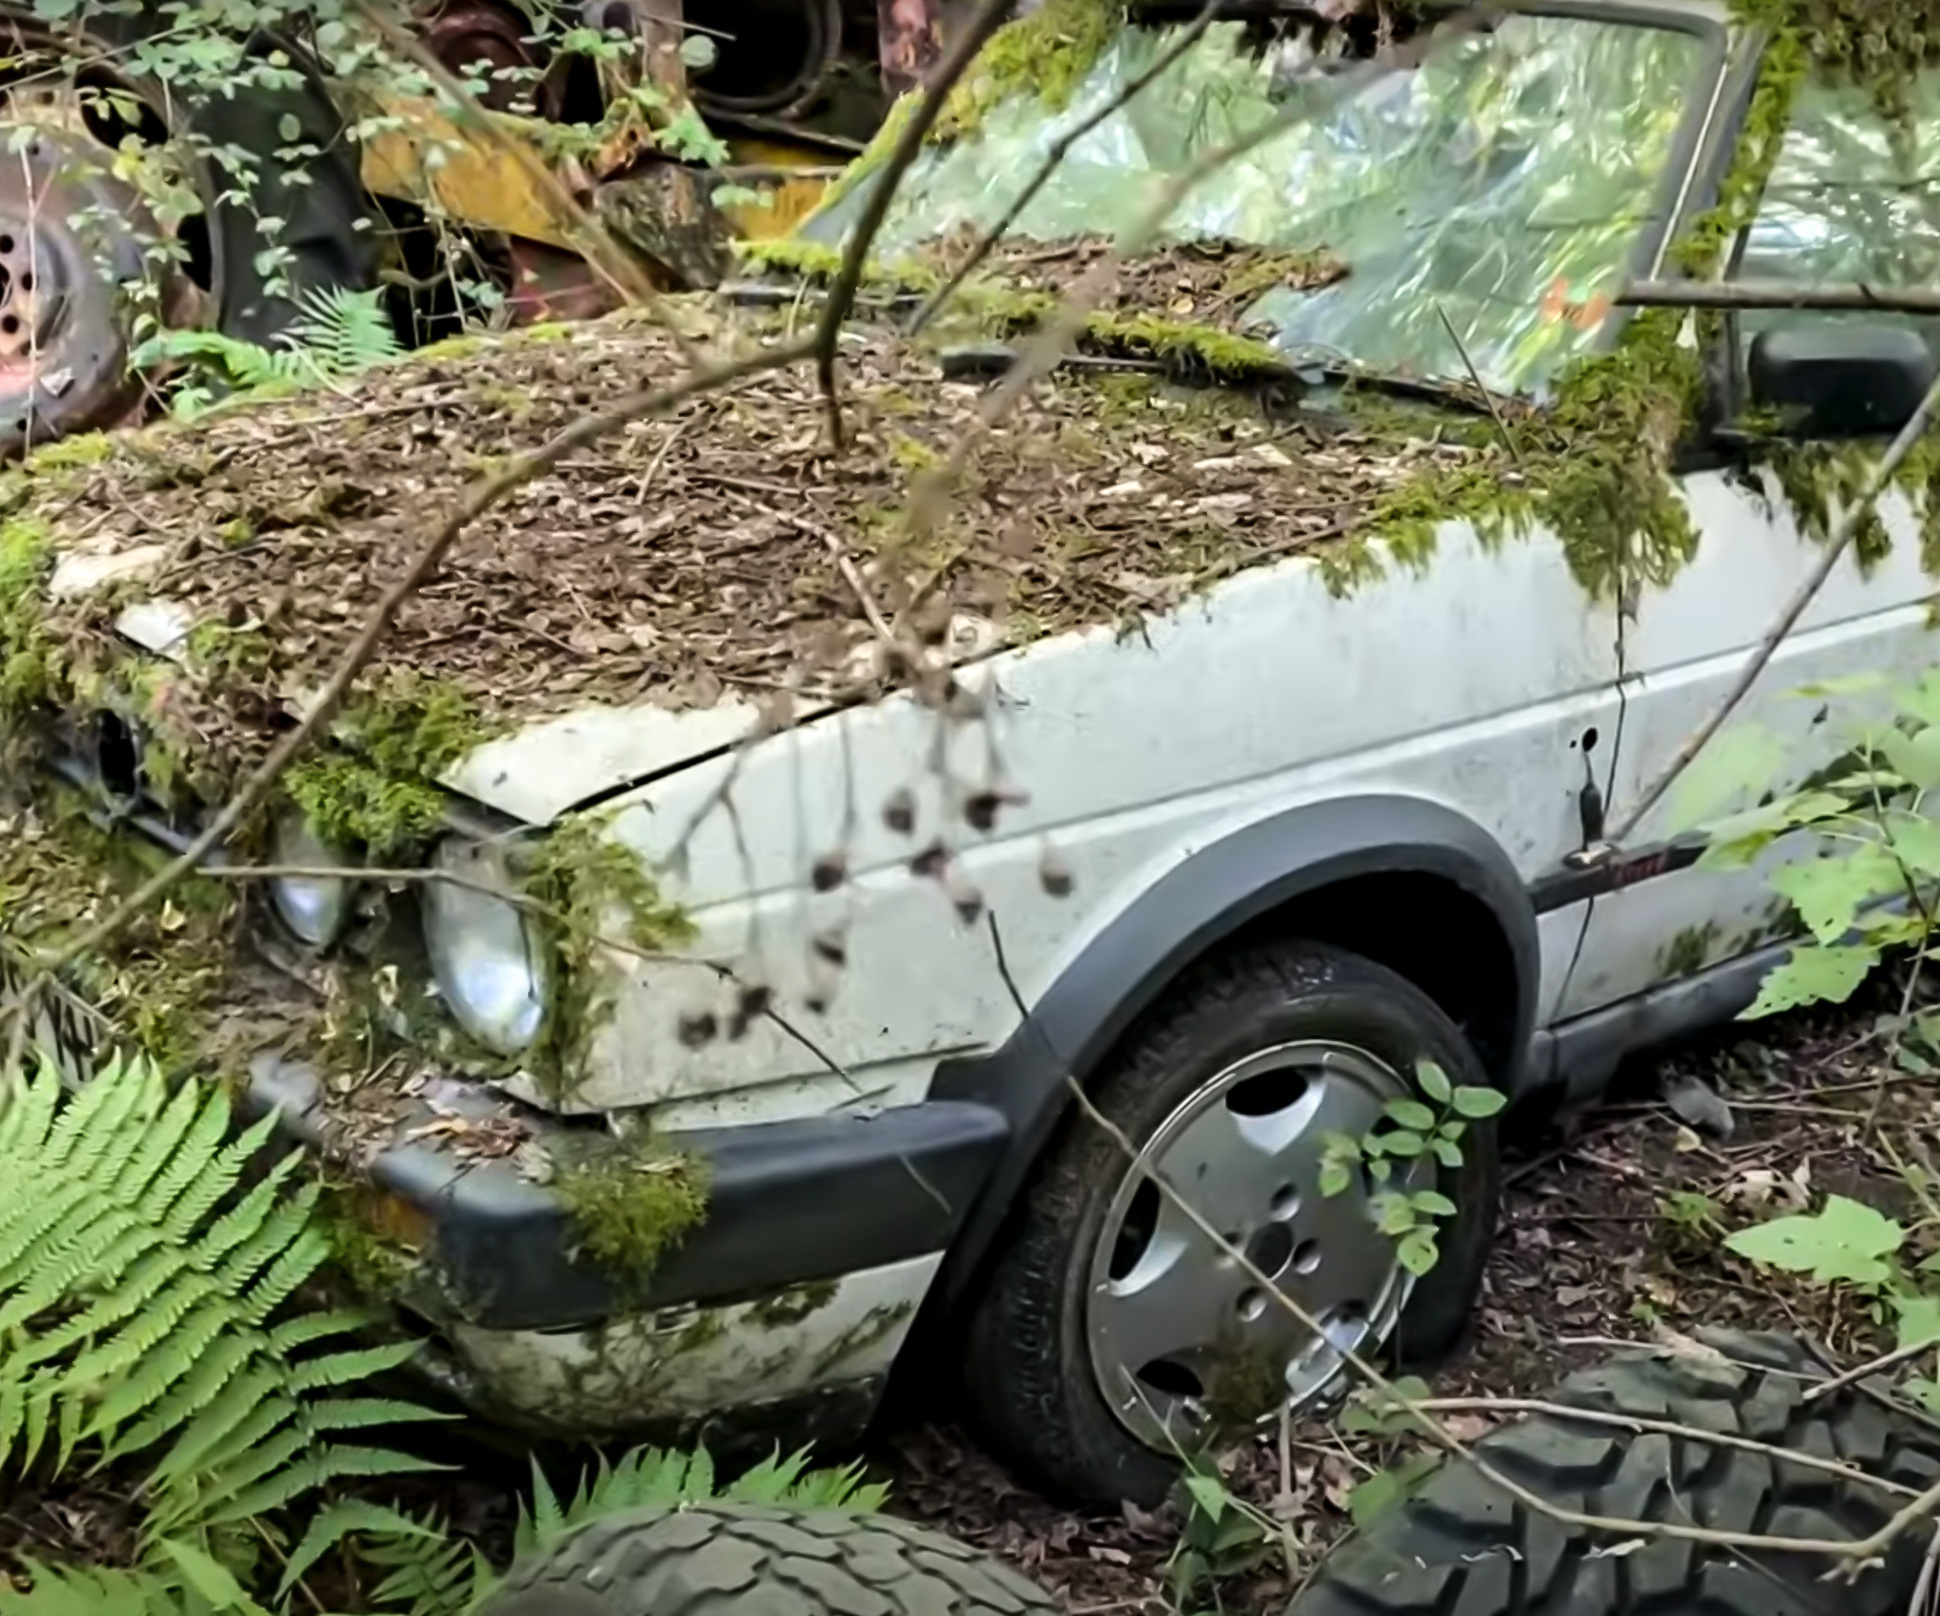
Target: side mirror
(1838, 380)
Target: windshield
(1496, 190)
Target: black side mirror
(1838, 380)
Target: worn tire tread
(722, 1559)
(1460, 1546)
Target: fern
(137, 1319)
(649, 1476)
(338, 335)
(427, 1573)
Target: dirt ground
(1586, 1255)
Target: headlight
(312, 906)
(487, 954)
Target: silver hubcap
(1181, 1336)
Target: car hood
(657, 596)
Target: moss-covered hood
(643, 604)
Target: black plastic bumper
(789, 1203)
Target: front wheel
(1113, 1334)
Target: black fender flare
(1207, 897)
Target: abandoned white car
(689, 989)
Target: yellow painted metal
(793, 177)
(485, 180)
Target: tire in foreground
(1461, 1546)
(754, 1560)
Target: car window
(1473, 200)
(1853, 196)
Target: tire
(753, 1560)
(1459, 1546)
(1032, 1383)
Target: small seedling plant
(1411, 1131)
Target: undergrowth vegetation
(161, 1324)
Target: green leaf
(1334, 1177)
(1916, 756)
(1416, 1251)
(1921, 699)
(1813, 975)
(1742, 762)
(698, 51)
(1403, 1143)
(1393, 1214)
(1434, 1203)
(1432, 1081)
(1919, 1320)
(208, 1577)
(1410, 1114)
(1478, 1103)
(1209, 1494)
(1375, 1496)
(1447, 1152)
(1829, 892)
(1915, 841)
(1844, 1240)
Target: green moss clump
(379, 794)
(26, 650)
(632, 1203)
(592, 887)
(1184, 346)
(66, 454)
(819, 264)
(376, 1266)
(1047, 54)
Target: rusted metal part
(667, 215)
(773, 57)
(419, 154)
(549, 284)
(909, 38)
(72, 235)
(489, 37)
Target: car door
(1850, 198)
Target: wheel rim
(1182, 1339)
(74, 237)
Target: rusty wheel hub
(75, 249)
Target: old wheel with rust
(85, 250)
(756, 1560)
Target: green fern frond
(75, 1591)
(645, 1477)
(142, 1284)
(354, 1516)
(343, 332)
(428, 1575)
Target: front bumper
(790, 1203)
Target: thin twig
(963, 49)
(1835, 546)
(1060, 149)
(1474, 375)
(1866, 1371)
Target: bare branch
(1777, 295)
(1836, 545)
(1060, 149)
(982, 23)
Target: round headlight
(312, 906)
(487, 954)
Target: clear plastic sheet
(1474, 190)
(1853, 196)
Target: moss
(460, 347)
(83, 449)
(1688, 952)
(27, 654)
(1046, 53)
(379, 793)
(591, 887)
(631, 1203)
(377, 1266)
(1183, 345)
